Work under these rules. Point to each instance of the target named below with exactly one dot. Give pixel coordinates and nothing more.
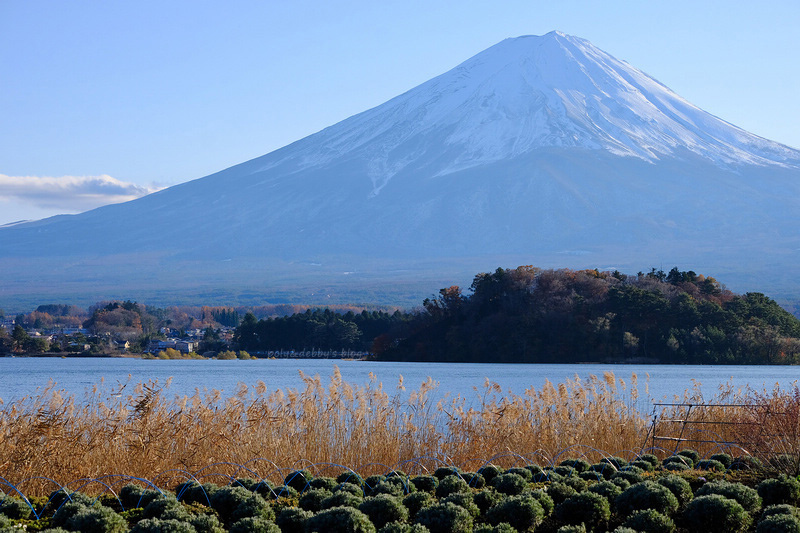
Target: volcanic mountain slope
(539, 150)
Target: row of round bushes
(645, 495)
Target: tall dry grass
(139, 431)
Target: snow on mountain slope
(543, 149)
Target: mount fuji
(540, 150)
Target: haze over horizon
(112, 101)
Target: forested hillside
(532, 315)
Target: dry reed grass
(137, 431)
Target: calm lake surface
(24, 376)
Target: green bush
(293, 520)
(779, 523)
(97, 519)
(581, 465)
(311, 500)
(254, 524)
(572, 528)
(14, 508)
(327, 483)
(444, 471)
(779, 490)
(650, 521)
(525, 473)
(349, 487)
(723, 458)
(691, 454)
(350, 477)
(132, 496)
(191, 492)
(646, 495)
(489, 472)
(747, 497)
(576, 483)
(342, 499)
(631, 476)
(60, 497)
(400, 527)
(157, 525)
(586, 508)
(677, 466)
(621, 483)
(678, 459)
(474, 480)
(401, 483)
(649, 458)
(416, 501)
(486, 499)
(510, 483)
(645, 466)
(207, 523)
(604, 469)
(340, 520)
(591, 475)
(4, 520)
(166, 509)
(714, 513)
(449, 485)
(445, 518)
(235, 503)
(559, 492)
(710, 464)
(426, 483)
(607, 490)
(382, 509)
(565, 471)
(465, 500)
(616, 462)
(544, 499)
(392, 489)
(678, 486)
(780, 508)
(283, 491)
(502, 527)
(522, 512)
(298, 480)
(746, 462)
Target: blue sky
(103, 101)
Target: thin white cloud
(69, 194)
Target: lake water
(23, 376)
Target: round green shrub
(445, 518)
(327, 483)
(780, 508)
(254, 524)
(646, 495)
(581, 465)
(576, 483)
(465, 500)
(510, 483)
(416, 501)
(586, 508)
(723, 458)
(544, 499)
(293, 520)
(444, 471)
(536, 471)
(591, 475)
(371, 482)
(650, 521)
(779, 490)
(710, 465)
(400, 527)
(522, 512)
(15, 508)
(393, 489)
(207, 523)
(342, 499)
(604, 469)
(489, 472)
(474, 480)
(486, 499)
(565, 471)
(4, 520)
(616, 462)
(678, 486)
(649, 458)
(746, 462)
(187, 492)
(166, 509)
(560, 492)
(502, 527)
(630, 476)
(350, 477)
(132, 496)
(621, 482)
(426, 483)
(298, 480)
(623, 529)
(382, 509)
(714, 513)
(283, 491)
(691, 454)
(607, 490)
(677, 466)
(450, 484)
(235, 503)
(340, 520)
(403, 482)
(157, 525)
(97, 519)
(311, 500)
(349, 487)
(678, 459)
(525, 473)
(747, 497)
(572, 528)
(778, 523)
(645, 466)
